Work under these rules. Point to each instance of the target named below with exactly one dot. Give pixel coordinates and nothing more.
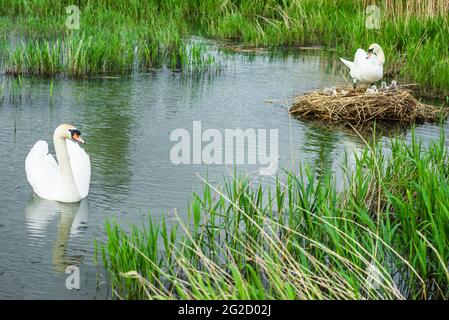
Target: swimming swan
(66, 180)
(367, 67)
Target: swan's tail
(347, 63)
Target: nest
(357, 106)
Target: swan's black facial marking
(75, 135)
(74, 131)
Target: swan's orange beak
(77, 138)
(75, 135)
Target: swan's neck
(381, 58)
(68, 187)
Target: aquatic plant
(384, 236)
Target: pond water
(126, 122)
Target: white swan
(367, 67)
(68, 179)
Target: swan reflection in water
(72, 222)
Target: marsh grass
(414, 34)
(111, 41)
(79, 55)
(385, 236)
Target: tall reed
(421, 8)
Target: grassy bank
(384, 236)
(414, 34)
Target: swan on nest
(367, 67)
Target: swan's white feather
(80, 163)
(347, 63)
(360, 57)
(42, 171)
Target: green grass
(111, 40)
(385, 236)
(415, 45)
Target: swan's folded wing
(80, 163)
(360, 57)
(42, 171)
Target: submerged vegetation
(384, 236)
(115, 35)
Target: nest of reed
(358, 107)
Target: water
(126, 122)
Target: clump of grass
(383, 237)
(79, 55)
(111, 39)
